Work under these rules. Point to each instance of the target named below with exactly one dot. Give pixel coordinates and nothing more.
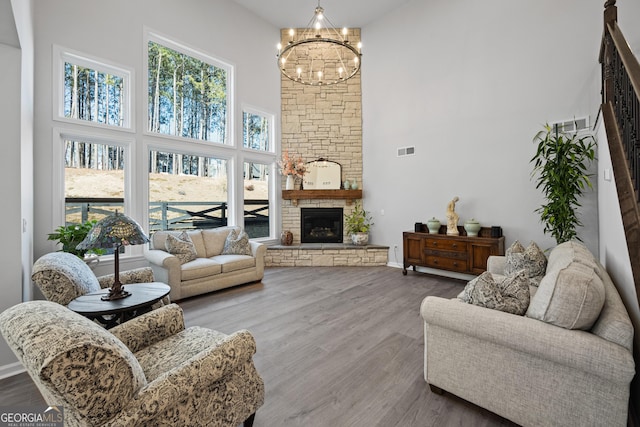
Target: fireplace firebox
(321, 225)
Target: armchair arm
(198, 373)
(151, 327)
(137, 275)
(531, 336)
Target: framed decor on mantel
(322, 174)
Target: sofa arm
(162, 258)
(258, 250)
(496, 264)
(574, 348)
(138, 275)
(196, 374)
(151, 327)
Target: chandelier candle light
(320, 54)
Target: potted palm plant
(70, 235)
(357, 225)
(561, 164)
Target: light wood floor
(337, 346)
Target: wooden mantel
(295, 195)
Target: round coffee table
(112, 313)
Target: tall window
(186, 191)
(181, 180)
(91, 91)
(93, 180)
(187, 95)
(256, 199)
(256, 131)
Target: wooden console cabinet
(462, 253)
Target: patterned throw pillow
(237, 243)
(181, 247)
(515, 290)
(531, 259)
(510, 295)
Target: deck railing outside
(174, 215)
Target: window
(256, 131)
(92, 91)
(256, 199)
(93, 180)
(184, 169)
(187, 96)
(186, 191)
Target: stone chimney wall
(322, 122)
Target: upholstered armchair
(149, 371)
(62, 277)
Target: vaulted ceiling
(342, 13)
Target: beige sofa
(527, 368)
(211, 270)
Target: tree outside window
(187, 96)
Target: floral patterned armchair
(149, 371)
(62, 277)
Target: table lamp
(114, 231)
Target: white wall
(16, 122)
(470, 84)
(114, 31)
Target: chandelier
(319, 54)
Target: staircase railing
(621, 117)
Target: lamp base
(115, 295)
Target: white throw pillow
(571, 294)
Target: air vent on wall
(406, 151)
(574, 125)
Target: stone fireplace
(322, 122)
(321, 225)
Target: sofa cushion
(199, 268)
(571, 294)
(214, 240)
(181, 247)
(159, 238)
(532, 260)
(237, 243)
(509, 294)
(235, 262)
(176, 350)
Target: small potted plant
(70, 235)
(357, 225)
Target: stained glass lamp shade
(113, 232)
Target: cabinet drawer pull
(455, 245)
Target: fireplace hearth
(321, 225)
